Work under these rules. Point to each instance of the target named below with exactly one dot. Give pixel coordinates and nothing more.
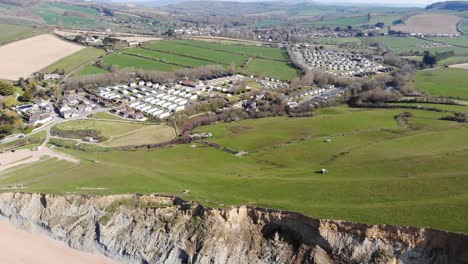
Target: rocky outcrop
(162, 229)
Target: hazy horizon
(385, 2)
(402, 3)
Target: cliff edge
(163, 229)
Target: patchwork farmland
(176, 54)
(24, 60)
(430, 24)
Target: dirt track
(430, 23)
(460, 66)
(23, 58)
(26, 156)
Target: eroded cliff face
(160, 229)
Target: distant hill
(450, 5)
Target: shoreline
(21, 247)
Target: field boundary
(183, 55)
(230, 52)
(158, 60)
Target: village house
(52, 76)
(40, 117)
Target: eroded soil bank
(164, 229)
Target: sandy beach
(20, 247)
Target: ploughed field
(171, 55)
(381, 170)
(20, 60)
(430, 24)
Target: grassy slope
(443, 82)
(75, 60)
(10, 33)
(107, 128)
(122, 133)
(90, 70)
(369, 160)
(52, 13)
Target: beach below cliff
(21, 247)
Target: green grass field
(10, 33)
(90, 70)
(107, 115)
(196, 52)
(262, 52)
(123, 61)
(228, 41)
(453, 60)
(272, 69)
(405, 45)
(27, 142)
(464, 26)
(379, 171)
(341, 21)
(82, 17)
(387, 19)
(167, 57)
(451, 108)
(443, 82)
(462, 41)
(175, 54)
(75, 60)
(122, 133)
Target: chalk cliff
(163, 229)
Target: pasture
(169, 55)
(452, 83)
(123, 61)
(10, 33)
(168, 58)
(228, 41)
(74, 61)
(341, 21)
(215, 57)
(90, 70)
(120, 133)
(464, 26)
(379, 170)
(404, 45)
(430, 24)
(272, 69)
(20, 60)
(461, 41)
(68, 16)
